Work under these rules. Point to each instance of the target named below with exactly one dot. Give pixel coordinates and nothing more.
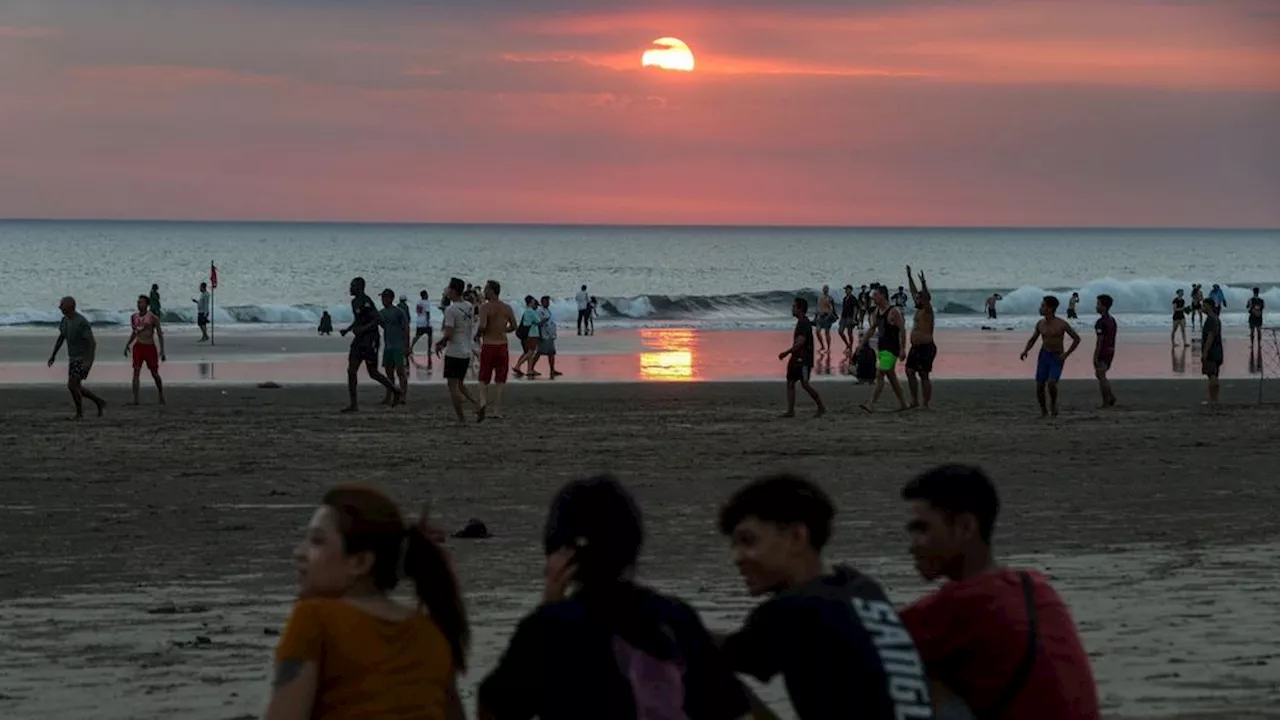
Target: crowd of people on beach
(991, 642)
(476, 323)
(874, 356)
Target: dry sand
(144, 557)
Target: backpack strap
(1023, 672)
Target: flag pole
(213, 290)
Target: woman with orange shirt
(349, 650)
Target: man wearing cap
(848, 319)
(364, 344)
(395, 343)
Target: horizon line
(658, 226)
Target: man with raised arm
(923, 351)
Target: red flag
(213, 276)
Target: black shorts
(991, 313)
(363, 353)
(798, 372)
(78, 369)
(422, 331)
(920, 358)
(202, 319)
(456, 368)
(1255, 321)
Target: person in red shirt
(999, 639)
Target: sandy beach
(146, 569)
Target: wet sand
(637, 355)
(144, 557)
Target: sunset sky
(828, 112)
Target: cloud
(167, 77)
(11, 32)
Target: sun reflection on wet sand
(668, 354)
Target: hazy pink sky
(834, 112)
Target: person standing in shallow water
(1104, 352)
(1052, 358)
(1179, 319)
(349, 650)
(77, 333)
(153, 300)
(1211, 353)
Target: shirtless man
(494, 323)
(1255, 307)
(1051, 329)
(826, 318)
(76, 332)
(887, 326)
(923, 351)
(145, 335)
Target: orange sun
(668, 53)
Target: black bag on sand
(864, 364)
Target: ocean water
(273, 275)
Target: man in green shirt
(75, 331)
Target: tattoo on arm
(287, 670)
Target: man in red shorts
(146, 334)
(495, 322)
(1000, 639)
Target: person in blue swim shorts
(1051, 331)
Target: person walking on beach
(1197, 304)
(527, 331)
(364, 329)
(1000, 639)
(831, 633)
(145, 334)
(888, 327)
(395, 343)
(495, 322)
(422, 324)
(1211, 354)
(349, 650)
(1179, 319)
(546, 337)
(1051, 360)
(455, 341)
(77, 333)
(1104, 351)
(584, 310)
(153, 300)
(800, 364)
(1071, 306)
(202, 312)
(923, 351)
(1255, 306)
(601, 645)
